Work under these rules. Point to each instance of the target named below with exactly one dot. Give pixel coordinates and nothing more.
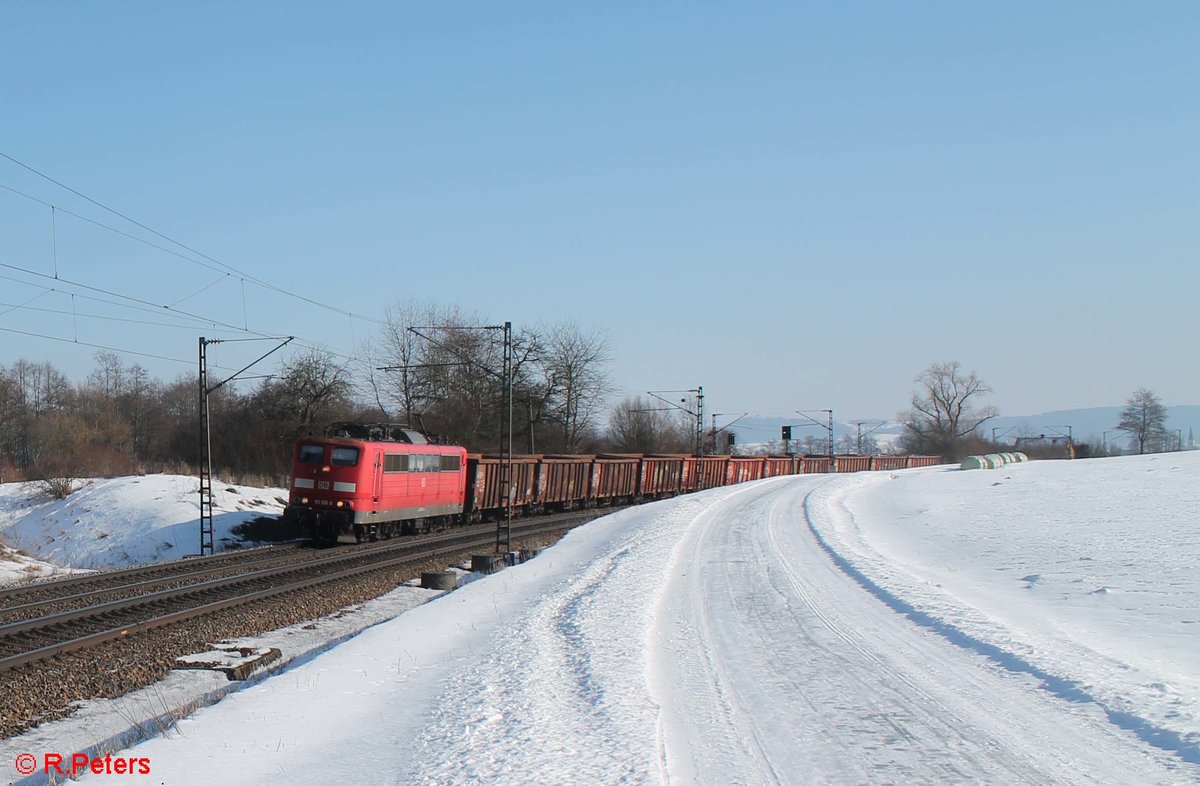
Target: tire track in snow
(831, 502)
(786, 671)
(740, 738)
(561, 697)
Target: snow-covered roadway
(709, 639)
(772, 665)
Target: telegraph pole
(860, 423)
(828, 431)
(503, 524)
(714, 431)
(504, 534)
(206, 504)
(697, 413)
(207, 545)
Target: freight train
(378, 480)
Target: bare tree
(1144, 419)
(10, 417)
(138, 404)
(639, 425)
(405, 389)
(444, 374)
(310, 389)
(944, 414)
(577, 380)
(37, 389)
(109, 376)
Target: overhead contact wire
(155, 232)
(122, 350)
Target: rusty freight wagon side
(815, 464)
(923, 461)
(888, 462)
(615, 478)
(485, 499)
(704, 472)
(774, 466)
(744, 468)
(661, 476)
(563, 482)
(853, 463)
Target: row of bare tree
(440, 370)
(946, 417)
(436, 369)
(429, 367)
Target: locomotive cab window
(450, 464)
(312, 454)
(422, 462)
(344, 457)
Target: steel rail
(166, 568)
(448, 545)
(284, 554)
(227, 582)
(228, 566)
(181, 569)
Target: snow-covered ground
(124, 521)
(1034, 624)
(17, 568)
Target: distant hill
(1087, 425)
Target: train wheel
(359, 534)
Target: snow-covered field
(1081, 573)
(125, 521)
(1034, 624)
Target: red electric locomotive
(373, 480)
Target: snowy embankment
(17, 568)
(844, 629)
(1081, 574)
(117, 522)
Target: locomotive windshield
(345, 457)
(312, 454)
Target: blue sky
(796, 206)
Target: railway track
(33, 600)
(40, 636)
(52, 589)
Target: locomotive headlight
(341, 503)
(304, 500)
